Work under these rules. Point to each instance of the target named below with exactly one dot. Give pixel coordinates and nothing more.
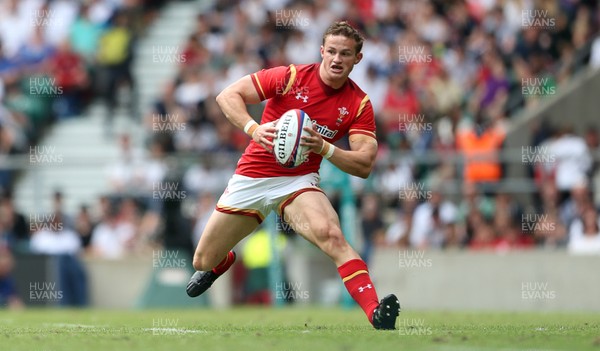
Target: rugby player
(337, 107)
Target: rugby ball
(287, 149)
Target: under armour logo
(299, 96)
(362, 288)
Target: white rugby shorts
(257, 197)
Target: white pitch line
(72, 325)
(173, 331)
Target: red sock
(225, 264)
(355, 276)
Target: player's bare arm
(233, 100)
(357, 161)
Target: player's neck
(334, 84)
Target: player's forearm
(356, 163)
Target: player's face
(339, 57)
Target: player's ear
(322, 51)
(359, 57)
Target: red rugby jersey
(336, 112)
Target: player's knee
(331, 238)
(201, 262)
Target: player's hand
(264, 135)
(314, 141)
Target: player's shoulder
(355, 89)
(303, 69)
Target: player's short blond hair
(343, 28)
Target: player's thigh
(222, 232)
(311, 215)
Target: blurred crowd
(444, 77)
(56, 57)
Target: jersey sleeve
(273, 81)
(364, 123)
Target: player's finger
(311, 131)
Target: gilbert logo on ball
(287, 149)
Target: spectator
(84, 226)
(85, 35)
(550, 232)
(113, 238)
(55, 239)
(572, 160)
(397, 233)
(371, 224)
(9, 296)
(114, 55)
(69, 71)
(584, 233)
(480, 144)
(433, 222)
(14, 224)
(484, 237)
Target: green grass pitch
(287, 329)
